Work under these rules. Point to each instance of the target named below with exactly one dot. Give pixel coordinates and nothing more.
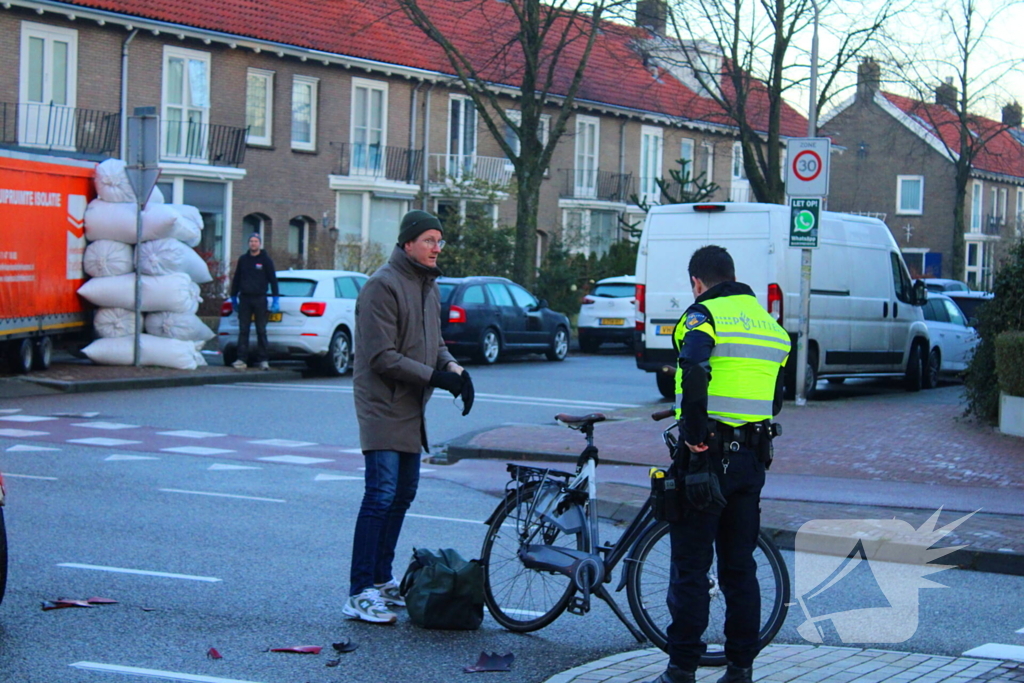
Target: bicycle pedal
(578, 605)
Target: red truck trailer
(42, 239)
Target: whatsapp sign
(803, 222)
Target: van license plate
(613, 321)
(274, 318)
(666, 329)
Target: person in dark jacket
(254, 273)
(400, 358)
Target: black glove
(449, 381)
(468, 393)
(702, 488)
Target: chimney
(946, 94)
(1012, 115)
(652, 15)
(868, 77)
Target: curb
(84, 386)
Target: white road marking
(1020, 630)
(197, 450)
(282, 443)
(224, 495)
(129, 457)
(445, 519)
(24, 448)
(102, 441)
(21, 433)
(219, 466)
(190, 434)
(141, 572)
(10, 411)
(295, 459)
(356, 451)
(26, 418)
(83, 415)
(998, 651)
(427, 469)
(335, 477)
(8, 475)
(154, 673)
(113, 426)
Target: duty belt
(733, 438)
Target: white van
(866, 314)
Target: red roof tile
(1002, 153)
(378, 30)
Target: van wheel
(913, 380)
(810, 377)
(666, 384)
(931, 370)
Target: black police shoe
(736, 674)
(673, 674)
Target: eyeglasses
(431, 243)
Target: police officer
(731, 354)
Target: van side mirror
(920, 293)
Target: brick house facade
(891, 162)
(321, 139)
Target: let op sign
(807, 167)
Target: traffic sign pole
(143, 172)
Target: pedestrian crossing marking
(221, 467)
(112, 426)
(26, 418)
(130, 457)
(102, 441)
(295, 459)
(21, 433)
(282, 443)
(191, 434)
(336, 477)
(25, 448)
(197, 450)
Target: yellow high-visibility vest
(750, 347)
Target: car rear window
(296, 287)
(446, 291)
(474, 295)
(614, 290)
(969, 305)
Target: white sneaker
(239, 365)
(368, 606)
(264, 365)
(390, 593)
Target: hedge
(1010, 362)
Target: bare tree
(744, 55)
(968, 81)
(541, 49)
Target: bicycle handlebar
(662, 414)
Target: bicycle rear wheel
(647, 588)
(522, 599)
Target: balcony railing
(59, 128)
(992, 225)
(457, 167)
(190, 142)
(373, 161)
(604, 186)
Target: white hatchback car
(607, 314)
(952, 338)
(317, 321)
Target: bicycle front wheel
(522, 599)
(647, 587)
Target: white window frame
(313, 83)
(900, 211)
(690, 157)
(652, 150)
(28, 121)
(1019, 225)
(739, 186)
(461, 161)
(977, 209)
(709, 162)
(268, 107)
(378, 167)
(1003, 196)
(513, 140)
(586, 163)
(189, 146)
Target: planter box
(1011, 414)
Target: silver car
(952, 338)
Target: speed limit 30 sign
(807, 167)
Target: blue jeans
(391, 481)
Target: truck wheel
(20, 355)
(913, 380)
(666, 384)
(43, 353)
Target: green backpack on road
(443, 590)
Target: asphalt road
(259, 555)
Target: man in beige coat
(400, 358)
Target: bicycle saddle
(577, 421)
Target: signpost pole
(143, 159)
(805, 253)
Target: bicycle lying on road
(543, 555)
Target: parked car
(969, 303)
(607, 313)
(944, 285)
(952, 338)
(316, 323)
(489, 317)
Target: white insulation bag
(109, 221)
(112, 182)
(184, 326)
(175, 292)
(114, 322)
(168, 353)
(108, 257)
(160, 257)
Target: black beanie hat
(415, 223)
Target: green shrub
(1010, 362)
(1004, 313)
